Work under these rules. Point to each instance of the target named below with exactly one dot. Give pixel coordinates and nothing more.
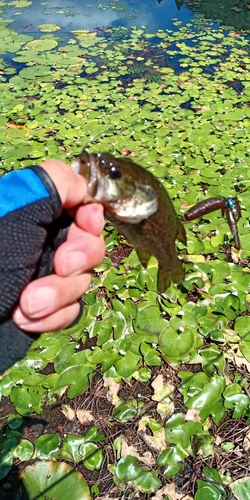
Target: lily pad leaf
(92, 456)
(24, 450)
(47, 445)
(49, 480)
(147, 481)
(126, 469)
(77, 377)
(241, 488)
(42, 45)
(124, 412)
(48, 28)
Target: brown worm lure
(229, 206)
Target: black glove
(32, 227)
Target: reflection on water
(153, 14)
(88, 14)
(231, 13)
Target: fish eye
(114, 171)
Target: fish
(229, 206)
(137, 204)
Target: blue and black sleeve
(32, 226)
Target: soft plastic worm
(229, 206)
(205, 207)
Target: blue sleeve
(19, 189)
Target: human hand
(50, 303)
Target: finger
(80, 253)
(57, 321)
(90, 218)
(72, 188)
(52, 293)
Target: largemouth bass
(137, 204)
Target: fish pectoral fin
(181, 233)
(143, 256)
(166, 276)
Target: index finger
(71, 187)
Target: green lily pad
(241, 487)
(76, 377)
(127, 468)
(123, 412)
(24, 450)
(92, 456)
(39, 45)
(49, 480)
(147, 481)
(46, 446)
(48, 28)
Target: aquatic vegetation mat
(148, 396)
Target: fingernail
(74, 263)
(19, 318)
(40, 301)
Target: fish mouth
(86, 166)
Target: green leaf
(39, 72)
(42, 45)
(242, 327)
(208, 491)
(48, 28)
(235, 398)
(147, 481)
(204, 395)
(213, 358)
(77, 377)
(241, 488)
(124, 412)
(26, 398)
(92, 456)
(172, 459)
(148, 319)
(6, 461)
(153, 358)
(70, 448)
(93, 435)
(127, 364)
(63, 357)
(46, 446)
(245, 349)
(126, 468)
(212, 474)
(50, 480)
(24, 450)
(15, 421)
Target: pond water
(89, 14)
(65, 87)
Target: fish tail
(180, 232)
(165, 276)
